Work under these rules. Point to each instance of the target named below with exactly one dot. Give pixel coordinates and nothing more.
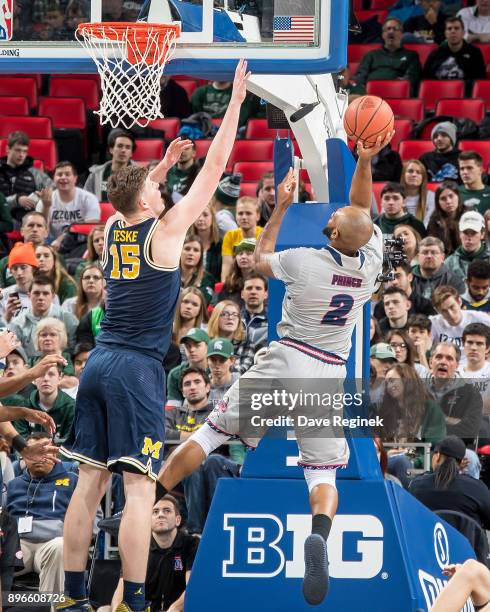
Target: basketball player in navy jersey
(119, 425)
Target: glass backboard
(276, 36)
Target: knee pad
(316, 477)
(208, 438)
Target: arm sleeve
(6, 222)
(173, 391)
(171, 431)
(197, 100)
(90, 183)
(479, 69)
(363, 71)
(290, 265)
(227, 247)
(84, 330)
(413, 71)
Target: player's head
(349, 229)
(131, 191)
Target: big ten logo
(260, 547)
(6, 10)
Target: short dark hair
(194, 370)
(421, 321)
(457, 350)
(471, 156)
(65, 164)
(124, 187)
(43, 279)
(393, 187)
(477, 329)
(399, 21)
(38, 435)
(17, 138)
(266, 175)
(118, 133)
(173, 501)
(479, 268)
(393, 290)
(405, 266)
(82, 347)
(453, 19)
(256, 275)
(33, 213)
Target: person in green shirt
(181, 176)
(473, 245)
(193, 273)
(475, 194)
(213, 98)
(392, 61)
(394, 213)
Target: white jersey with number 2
(325, 292)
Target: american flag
(294, 28)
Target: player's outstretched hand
(240, 82)
(174, 151)
(41, 418)
(369, 152)
(48, 361)
(43, 451)
(286, 189)
(8, 342)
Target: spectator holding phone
(22, 262)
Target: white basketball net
(130, 59)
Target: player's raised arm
(266, 243)
(185, 212)
(361, 191)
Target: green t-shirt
(177, 179)
(476, 199)
(207, 99)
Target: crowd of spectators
(430, 333)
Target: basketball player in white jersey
(326, 290)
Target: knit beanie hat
(446, 127)
(23, 253)
(228, 190)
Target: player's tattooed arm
(266, 243)
(361, 191)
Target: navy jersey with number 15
(141, 296)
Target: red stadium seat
(14, 105)
(252, 171)
(470, 109)
(358, 4)
(202, 147)
(39, 164)
(353, 67)
(366, 15)
(170, 126)
(148, 149)
(433, 91)
(411, 108)
(189, 85)
(433, 186)
(403, 129)
(481, 89)
(248, 189)
(19, 86)
(480, 146)
(251, 150)
(381, 5)
(86, 89)
(37, 77)
(34, 127)
(413, 149)
(43, 149)
(65, 113)
(257, 128)
(377, 187)
(423, 51)
(389, 89)
(485, 49)
(106, 210)
(355, 53)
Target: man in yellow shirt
(247, 217)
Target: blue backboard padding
(219, 69)
(341, 166)
(191, 17)
(392, 557)
(283, 159)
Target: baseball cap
(23, 253)
(21, 353)
(247, 244)
(471, 220)
(452, 446)
(382, 350)
(197, 335)
(221, 347)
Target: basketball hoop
(130, 58)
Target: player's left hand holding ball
(369, 152)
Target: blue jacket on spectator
(42, 498)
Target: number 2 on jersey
(339, 308)
(128, 262)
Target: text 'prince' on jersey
(141, 296)
(325, 292)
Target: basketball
(367, 118)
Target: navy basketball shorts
(119, 414)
